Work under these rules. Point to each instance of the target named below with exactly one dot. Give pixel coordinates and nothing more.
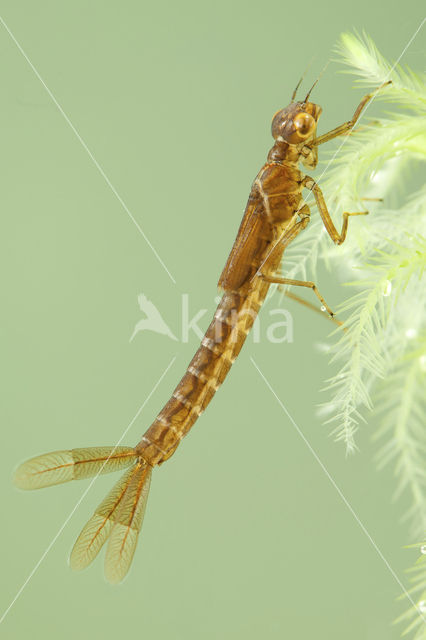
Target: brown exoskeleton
(275, 214)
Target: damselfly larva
(275, 214)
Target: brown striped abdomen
(221, 344)
(271, 208)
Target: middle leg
(338, 238)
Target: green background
(245, 536)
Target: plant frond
(401, 401)
(381, 357)
(380, 360)
(360, 53)
(415, 616)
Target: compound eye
(304, 125)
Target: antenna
(319, 76)
(301, 79)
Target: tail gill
(117, 519)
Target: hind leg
(274, 279)
(311, 306)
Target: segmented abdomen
(274, 198)
(221, 344)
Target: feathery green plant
(382, 355)
(417, 573)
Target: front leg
(338, 238)
(347, 126)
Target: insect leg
(338, 238)
(283, 241)
(275, 279)
(311, 306)
(304, 215)
(347, 126)
(286, 238)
